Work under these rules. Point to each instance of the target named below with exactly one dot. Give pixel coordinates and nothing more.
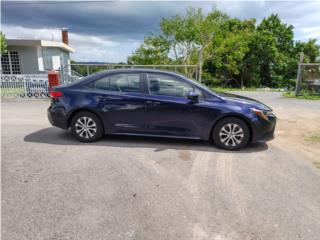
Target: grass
(314, 138)
(304, 95)
(317, 164)
(221, 89)
(249, 89)
(11, 91)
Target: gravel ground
(54, 187)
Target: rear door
(121, 102)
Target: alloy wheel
(231, 134)
(85, 127)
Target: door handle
(155, 103)
(152, 103)
(148, 103)
(107, 98)
(103, 98)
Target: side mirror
(193, 96)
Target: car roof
(96, 75)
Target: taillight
(56, 94)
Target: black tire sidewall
(223, 122)
(99, 132)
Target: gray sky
(111, 31)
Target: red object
(54, 80)
(64, 34)
(56, 94)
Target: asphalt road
(55, 188)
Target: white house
(26, 56)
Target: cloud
(88, 48)
(110, 31)
(115, 19)
(306, 33)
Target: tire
(231, 133)
(86, 127)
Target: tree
(227, 48)
(209, 32)
(273, 50)
(3, 44)
(180, 34)
(154, 50)
(230, 57)
(310, 49)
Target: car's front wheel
(231, 133)
(86, 127)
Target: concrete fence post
(299, 74)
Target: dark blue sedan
(158, 103)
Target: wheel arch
(234, 115)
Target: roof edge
(42, 43)
(62, 45)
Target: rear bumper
(57, 118)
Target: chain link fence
(75, 71)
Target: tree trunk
(241, 80)
(200, 65)
(186, 68)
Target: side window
(165, 85)
(102, 84)
(118, 83)
(125, 82)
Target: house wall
(28, 58)
(53, 58)
(35, 59)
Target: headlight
(261, 114)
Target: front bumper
(264, 130)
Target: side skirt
(153, 135)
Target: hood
(244, 100)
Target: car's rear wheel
(231, 134)
(86, 127)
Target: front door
(169, 112)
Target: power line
(55, 2)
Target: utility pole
(299, 75)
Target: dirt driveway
(54, 187)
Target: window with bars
(10, 63)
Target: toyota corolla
(158, 104)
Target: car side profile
(159, 104)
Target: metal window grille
(15, 62)
(5, 64)
(10, 63)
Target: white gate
(26, 86)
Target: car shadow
(58, 136)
